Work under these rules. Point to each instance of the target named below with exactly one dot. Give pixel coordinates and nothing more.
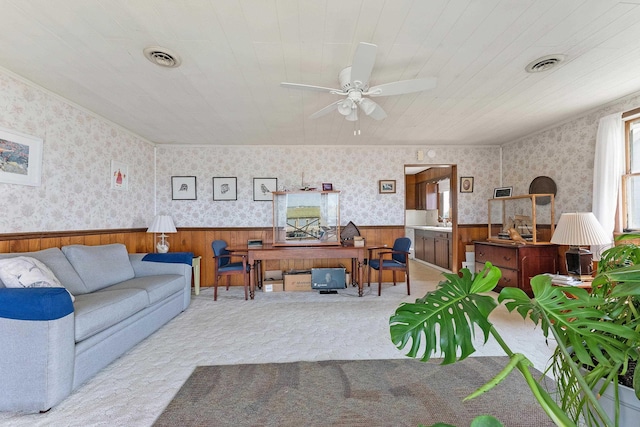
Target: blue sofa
(51, 345)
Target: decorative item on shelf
(576, 230)
(502, 192)
(466, 184)
(543, 185)
(162, 224)
(327, 186)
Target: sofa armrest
(38, 347)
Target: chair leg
(215, 287)
(406, 272)
(228, 281)
(380, 281)
(369, 276)
(246, 286)
(394, 277)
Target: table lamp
(162, 224)
(576, 230)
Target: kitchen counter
(430, 228)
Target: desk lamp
(576, 230)
(162, 224)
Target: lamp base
(579, 262)
(163, 246)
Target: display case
(306, 218)
(527, 219)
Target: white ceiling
(236, 52)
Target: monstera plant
(597, 332)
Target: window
(631, 178)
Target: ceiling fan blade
(311, 87)
(402, 87)
(363, 61)
(372, 109)
(326, 110)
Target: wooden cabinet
(434, 247)
(431, 198)
(518, 264)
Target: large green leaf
(444, 319)
(577, 319)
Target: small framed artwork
(501, 192)
(387, 186)
(20, 158)
(466, 184)
(183, 188)
(263, 187)
(327, 186)
(225, 188)
(119, 176)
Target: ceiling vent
(545, 63)
(162, 56)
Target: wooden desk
(265, 252)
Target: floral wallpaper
(78, 147)
(355, 171)
(565, 153)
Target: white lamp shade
(162, 224)
(580, 229)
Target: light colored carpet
(275, 327)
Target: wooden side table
(195, 263)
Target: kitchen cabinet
(518, 263)
(434, 247)
(431, 198)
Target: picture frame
(184, 188)
(22, 155)
(327, 186)
(466, 184)
(502, 192)
(225, 188)
(387, 186)
(119, 176)
(263, 187)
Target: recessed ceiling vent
(162, 56)
(545, 63)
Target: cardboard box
(273, 275)
(297, 282)
(273, 286)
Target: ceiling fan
(354, 84)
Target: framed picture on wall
(225, 188)
(119, 176)
(327, 186)
(466, 184)
(387, 186)
(183, 188)
(501, 192)
(20, 158)
(262, 188)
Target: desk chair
(396, 259)
(222, 266)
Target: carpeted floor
(399, 392)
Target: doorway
(431, 196)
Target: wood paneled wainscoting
(196, 240)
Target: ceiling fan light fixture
(545, 63)
(367, 106)
(345, 107)
(353, 116)
(162, 57)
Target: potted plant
(599, 330)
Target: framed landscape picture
(501, 192)
(183, 188)
(263, 187)
(20, 158)
(387, 186)
(225, 188)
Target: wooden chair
(395, 259)
(223, 266)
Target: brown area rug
(399, 392)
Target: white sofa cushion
(27, 272)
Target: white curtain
(607, 172)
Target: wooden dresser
(518, 264)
